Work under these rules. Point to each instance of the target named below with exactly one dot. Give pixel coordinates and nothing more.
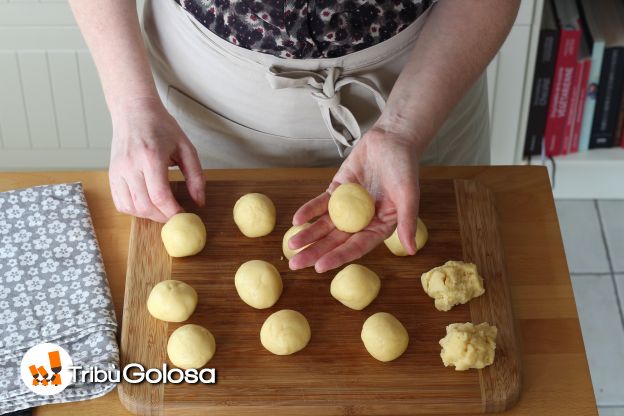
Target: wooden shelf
(595, 174)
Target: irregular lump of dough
(285, 332)
(172, 301)
(453, 283)
(384, 336)
(355, 286)
(184, 235)
(254, 214)
(351, 208)
(191, 346)
(289, 253)
(468, 346)
(394, 244)
(258, 284)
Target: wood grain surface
(555, 374)
(480, 236)
(334, 374)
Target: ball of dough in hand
(394, 244)
(384, 336)
(172, 301)
(351, 208)
(184, 235)
(288, 253)
(285, 332)
(453, 283)
(254, 214)
(468, 346)
(191, 346)
(258, 284)
(355, 286)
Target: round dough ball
(285, 332)
(394, 244)
(288, 253)
(258, 284)
(184, 235)
(172, 301)
(355, 286)
(351, 208)
(254, 214)
(191, 346)
(385, 338)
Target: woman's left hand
(386, 164)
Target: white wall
(52, 112)
(53, 115)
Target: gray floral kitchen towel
(53, 288)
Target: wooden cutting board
(334, 374)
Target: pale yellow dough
(184, 235)
(384, 336)
(452, 284)
(191, 346)
(394, 244)
(285, 332)
(288, 253)
(351, 208)
(355, 286)
(258, 284)
(254, 214)
(468, 346)
(172, 301)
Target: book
(619, 135)
(591, 16)
(622, 138)
(559, 103)
(542, 82)
(584, 66)
(611, 85)
(568, 130)
(608, 100)
(575, 111)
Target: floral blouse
(305, 29)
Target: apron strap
(325, 89)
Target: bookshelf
(593, 174)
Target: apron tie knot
(325, 87)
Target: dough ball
(172, 301)
(191, 346)
(453, 283)
(288, 253)
(355, 286)
(285, 332)
(351, 208)
(258, 284)
(394, 244)
(254, 214)
(468, 346)
(385, 338)
(184, 235)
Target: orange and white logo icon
(46, 369)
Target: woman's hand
(386, 164)
(146, 141)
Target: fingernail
(291, 265)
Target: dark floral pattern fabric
(305, 29)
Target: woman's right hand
(147, 140)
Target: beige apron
(246, 109)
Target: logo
(46, 369)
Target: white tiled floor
(593, 236)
